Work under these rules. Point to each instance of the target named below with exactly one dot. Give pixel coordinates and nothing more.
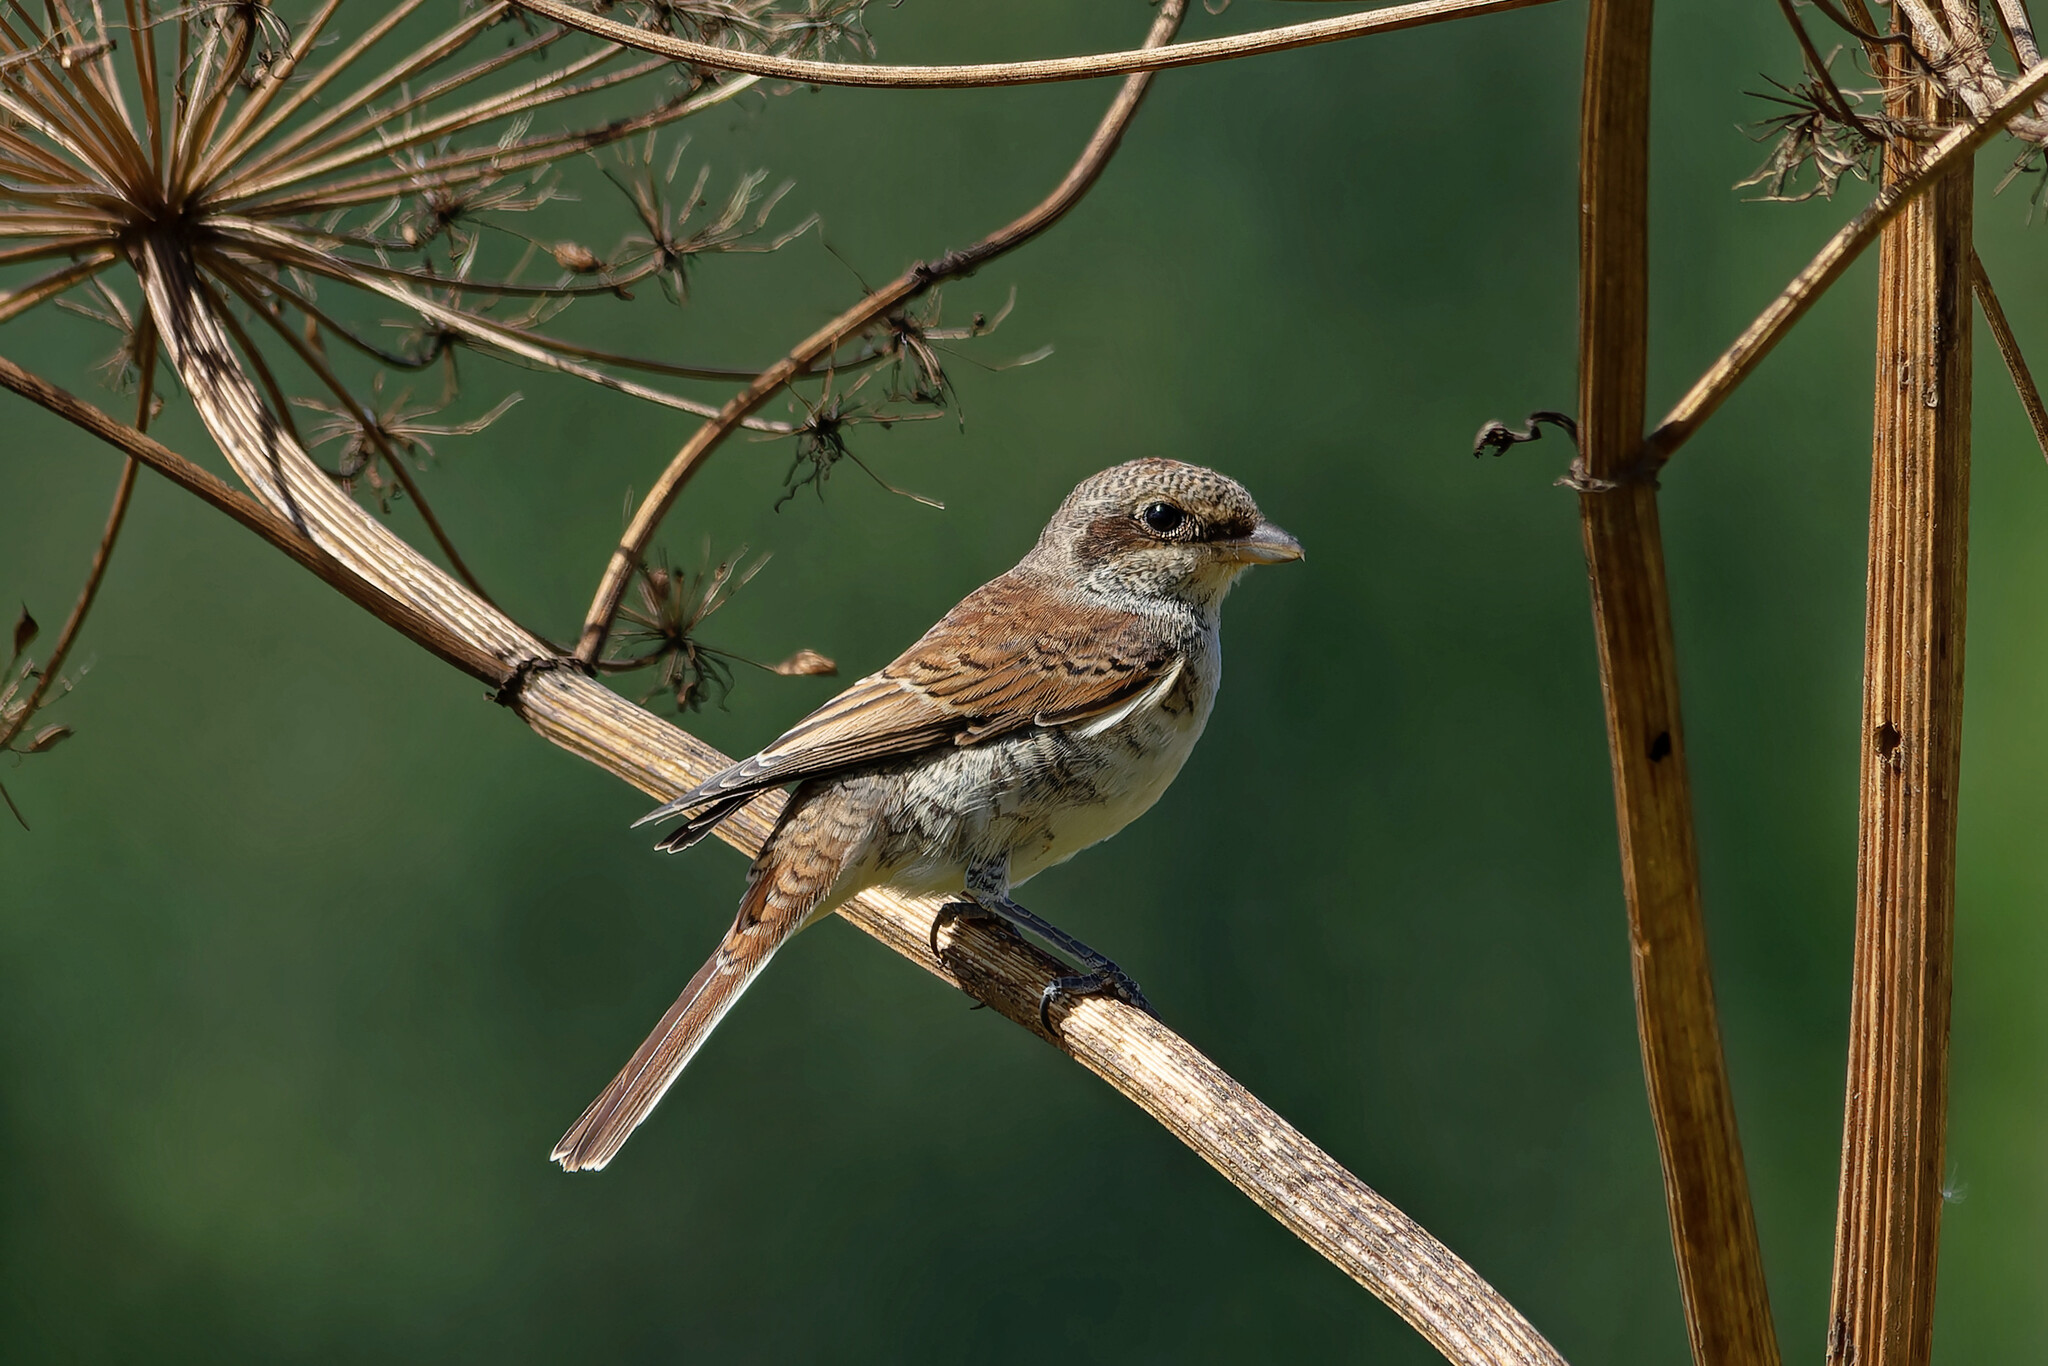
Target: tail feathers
(760, 929)
(716, 790)
(699, 825)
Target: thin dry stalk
(1149, 58)
(1356, 1228)
(821, 345)
(1895, 1115)
(52, 666)
(1713, 1230)
(2009, 351)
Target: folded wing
(997, 663)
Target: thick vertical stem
(1895, 1113)
(1713, 1231)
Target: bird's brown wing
(1011, 655)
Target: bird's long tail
(780, 896)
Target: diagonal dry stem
(142, 43)
(484, 163)
(198, 128)
(422, 58)
(372, 136)
(417, 626)
(2019, 31)
(51, 107)
(43, 249)
(1284, 39)
(1740, 359)
(2009, 352)
(237, 152)
(228, 146)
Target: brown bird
(1045, 713)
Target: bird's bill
(1266, 545)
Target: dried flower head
(279, 161)
(396, 431)
(669, 245)
(661, 632)
(821, 439)
(1813, 136)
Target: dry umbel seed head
(320, 178)
(660, 633)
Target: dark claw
(1109, 980)
(958, 910)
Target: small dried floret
(368, 434)
(661, 632)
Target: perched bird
(1047, 711)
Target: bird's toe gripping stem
(961, 910)
(1107, 980)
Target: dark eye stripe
(1230, 529)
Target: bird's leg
(990, 877)
(988, 892)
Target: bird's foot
(962, 910)
(1106, 980)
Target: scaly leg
(988, 897)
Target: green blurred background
(312, 952)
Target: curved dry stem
(1145, 59)
(632, 547)
(1711, 390)
(1365, 1235)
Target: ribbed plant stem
(1895, 1112)
(1713, 1231)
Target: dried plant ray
(1388, 20)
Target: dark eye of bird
(1163, 518)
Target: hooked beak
(1266, 545)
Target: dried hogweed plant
(260, 198)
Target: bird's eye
(1162, 518)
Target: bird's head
(1160, 528)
